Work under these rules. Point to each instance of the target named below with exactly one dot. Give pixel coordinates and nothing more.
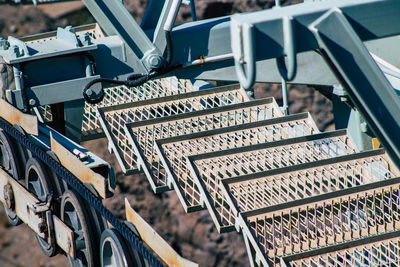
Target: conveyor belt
(114, 118)
(143, 134)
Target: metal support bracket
(243, 48)
(116, 20)
(24, 201)
(367, 86)
(289, 48)
(28, 122)
(154, 240)
(77, 168)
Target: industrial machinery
(299, 197)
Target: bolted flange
(9, 196)
(153, 61)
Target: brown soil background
(192, 235)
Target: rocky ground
(194, 235)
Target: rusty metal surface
(78, 168)
(154, 240)
(11, 114)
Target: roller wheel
(60, 186)
(113, 250)
(8, 157)
(23, 153)
(38, 183)
(75, 215)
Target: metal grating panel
(173, 151)
(209, 169)
(274, 187)
(380, 253)
(113, 119)
(310, 224)
(143, 134)
(122, 94)
(45, 111)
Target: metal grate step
(121, 94)
(379, 250)
(173, 151)
(278, 186)
(303, 210)
(114, 118)
(209, 169)
(143, 134)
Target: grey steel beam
(116, 20)
(211, 38)
(152, 14)
(52, 93)
(364, 81)
(165, 24)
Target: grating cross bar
(173, 151)
(143, 134)
(114, 118)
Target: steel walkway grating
(122, 94)
(380, 253)
(209, 169)
(117, 95)
(114, 118)
(173, 151)
(274, 187)
(300, 197)
(309, 224)
(143, 134)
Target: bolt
(42, 227)
(32, 102)
(89, 92)
(250, 93)
(154, 61)
(85, 39)
(70, 29)
(3, 44)
(15, 51)
(363, 127)
(9, 196)
(69, 246)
